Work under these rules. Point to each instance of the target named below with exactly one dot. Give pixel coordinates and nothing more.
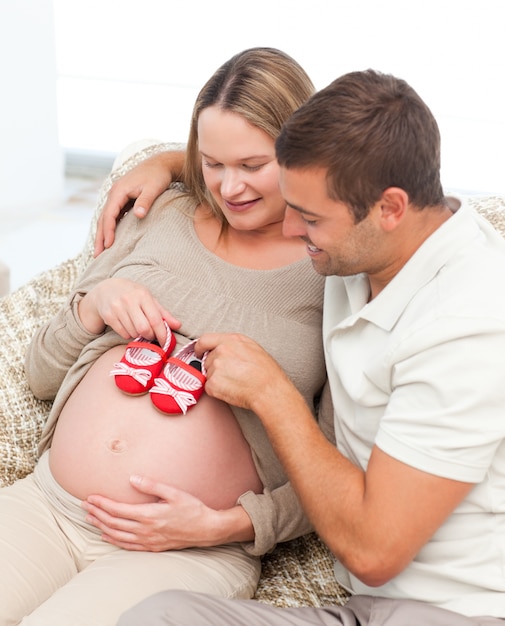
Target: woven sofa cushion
(492, 208)
(22, 416)
(299, 573)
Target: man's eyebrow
(300, 209)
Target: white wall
(31, 162)
(130, 69)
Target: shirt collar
(385, 309)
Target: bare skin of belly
(104, 436)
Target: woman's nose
(231, 183)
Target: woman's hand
(127, 307)
(176, 521)
(137, 189)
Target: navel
(117, 446)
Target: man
(412, 499)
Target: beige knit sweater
(281, 309)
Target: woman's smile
(240, 206)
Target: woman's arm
(56, 346)
(177, 520)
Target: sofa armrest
(4, 279)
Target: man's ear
(393, 206)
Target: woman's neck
(261, 249)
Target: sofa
(296, 573)
(4, 279)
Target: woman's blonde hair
(263, 85)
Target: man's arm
(374, 522)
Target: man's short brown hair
(370, 131)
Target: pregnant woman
(128, 499)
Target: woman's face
(240, 169)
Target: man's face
(335, 243)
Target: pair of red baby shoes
(175, 383)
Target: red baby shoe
(181, 383)
(141, 363)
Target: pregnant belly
(104, 436)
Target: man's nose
(293, 225)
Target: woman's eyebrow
(252, 157)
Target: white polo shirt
(420, 372)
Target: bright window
(129, 70)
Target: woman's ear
(393, 206)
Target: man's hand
(137, 189)
(240, 372)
